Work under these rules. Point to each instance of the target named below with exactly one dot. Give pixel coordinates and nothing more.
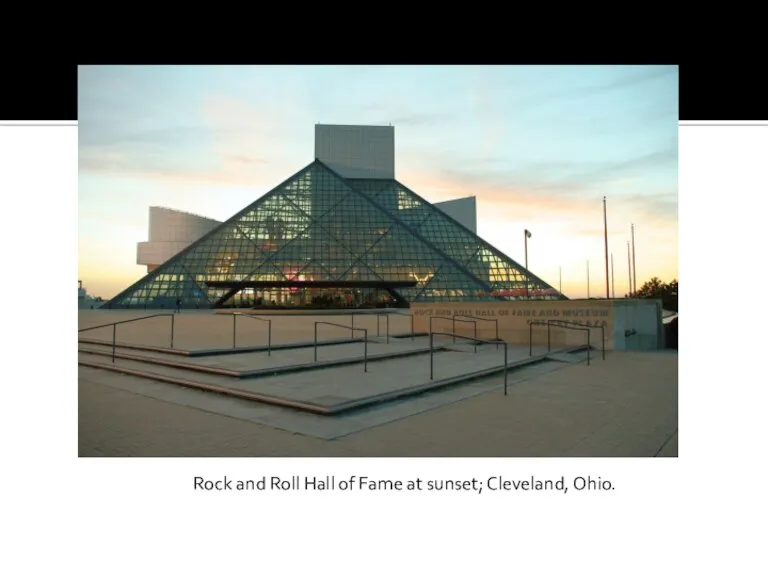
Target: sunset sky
(539, 146)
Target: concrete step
(158, 359)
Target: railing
(571, 323)
(378, 315)
(548, 324)
(269, 330)
(494, 320)
(114, 328)
(365, 340)
(476, 340)
(454, 320)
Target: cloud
(229, 147)
(550, 179)
(631, 80)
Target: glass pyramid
(318, 225)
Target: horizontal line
(27, 124)
(712, 124)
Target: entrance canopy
(235, 286)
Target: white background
(704, 511)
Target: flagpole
(629, 268)
(587, 279)
(605, 233)
(634, 267)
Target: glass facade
(320, 226)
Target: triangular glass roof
(319, 226)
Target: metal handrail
(572, 323)
(377, 314)
(453, 319)
(269, 329)
(114, 328)
(476, 340)
(365, 340)
(494, 320)
(411, 315)
(548, 323)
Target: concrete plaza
(623, 406)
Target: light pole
(634, 268)
(587, 279)
(629, 268)
(527, 274)
(605, 233)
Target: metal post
(172, 323)
(378, 317)
(634, 263)
(589, 345)
(431, 364)
(387, 317)
(114, 338)
(269, 337)
(505, 368)
(605, 230)
(530, 339)
(412, 334)
(315, 341)
(497, 334)
(475, 342)
(365, 350)
(602, 330)
(587, 279)
(629, 267)
(527, 235)
(353, 321)
(234, 330)
(548, 338)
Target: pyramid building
(340, 232)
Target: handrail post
(315, 341)
(234, 330)
(431, 363)
(530, 338)
(114, 338)
(475, 342)
(269, 337)
(549, 345)
(505, 368)
(365, 349)
(172, 323)
(387, 317)
(602, 329)
(353, 323)
(497, 334)
(589, 344)
(378, 333)
(454, 329)
(412, 334)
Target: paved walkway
(625, 406)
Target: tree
(666, 292)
